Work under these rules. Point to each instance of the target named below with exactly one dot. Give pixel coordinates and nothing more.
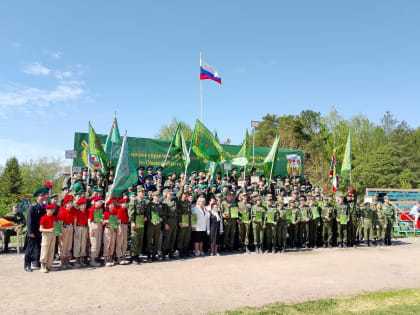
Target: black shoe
(315, 247)
(340, 245)
(28, 269)
(324, 246)
(136, 261)
(389, 242)
(330, 246)
(171, 255)
(149, 259)
(368, 243)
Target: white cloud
(25, 151)
(53, 54)
(31, 100)
(16, 45)
(35, 68)
(63, 74)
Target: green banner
(145, 152)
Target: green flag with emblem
(346, 166)
(271, 158)
(113, 143)
(243, 155)
(125, 173)
(204, 144)
(96, 152)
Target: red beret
(123, 200)
(67, 198)
(50, 207)
(112, 200)
(48, 184)
(82, 201)
(97, 199)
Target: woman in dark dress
(214, 228)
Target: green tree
(36, 172)
(167, 132)
(11, 179)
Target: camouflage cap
(339, 194)
(156, 193)
(280, 200)
(269, 197)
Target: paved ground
(210, 284)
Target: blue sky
(65, 63)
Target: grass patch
(383, 302)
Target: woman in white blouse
(199, 228)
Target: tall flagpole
(201, 95)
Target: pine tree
(11, 179)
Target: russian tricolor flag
(207, 72)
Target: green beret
(195, 186)
(76, 187)
(193, 172)
(222, 186)
(204, 186)
(212, 185)
(367, 203)
(64, 188)
(41, 191)
(53, 196)
(132, 193)
(187, 183)
(90, 185)
(386, 197)
(79, 192)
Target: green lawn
(386, 302)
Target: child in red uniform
(48, 238)
(110, 233)
(95, 229)
(122, 231)
(80, 233)
(67, 216)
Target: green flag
(178, 144)
(271, 158)
(97, 156)
(125, 173)
(346, 166)
(176, 140)
(205, 145)
(243, 155)
(113, 143)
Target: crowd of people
(183, 216)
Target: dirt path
(210, 284)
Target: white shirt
(415, 210)
(200, 226)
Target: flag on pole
(97, 156)
(178, 143)
(205, 145)
(271, 158)
(113, 143)
(333, 174)
(125, 173)
(207, 72)
(243, 155)
(346, 166)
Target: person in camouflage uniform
(342, 215)
(380, 224)
(293, 227)
(258, 217)
(305, 217)
(136, 213)
(229, 222)
(369, 221)
(171, 226)
(353, 222)
(328, 217)
(315, 223)
(184, 230)
(244, 222)
(389, 212)
(270, 225)
(282, 221)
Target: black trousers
(33, 251)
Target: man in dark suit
(34, 215)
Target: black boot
(389, 242)
(368, 243)
(149, 258)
